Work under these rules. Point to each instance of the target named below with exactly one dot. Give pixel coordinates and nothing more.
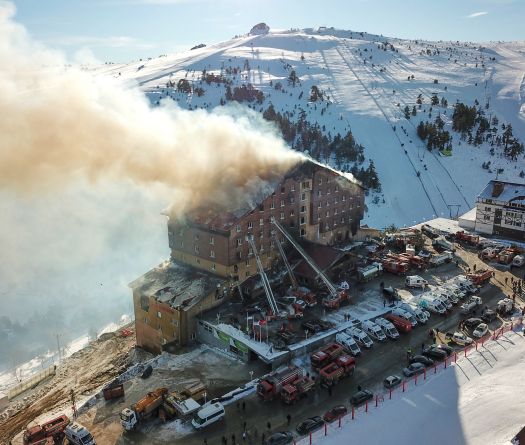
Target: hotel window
(293, 188)
(261, 222)
(319, 205)
(239, 241)
(327, 213)
(213, 267)
(303, 221)
(272, 205)
(335, 212)
(212, 240)
(238, 228)
(292, 200)
(282, 202)
(342, 219)
(250, 225)
(328, 191)
(283, 189)
(335, 201)
(196, 237)
(282, 215)
(320, 181)
(303, 209)
(303, 196)
(196, 248)
(182, 244)
(344, 198)
(303, 232)
(212, 254)
(292, 212)
(319, 192)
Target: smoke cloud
(59, 122)
(86, 165)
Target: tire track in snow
(403, 93)
(390, 124)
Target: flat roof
(177, 284)
(512, 191)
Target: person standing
(288, 419)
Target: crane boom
(293, 280)
(264, 278)
(331, 288)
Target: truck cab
(432, 304)
(78, 435)
(128, 419)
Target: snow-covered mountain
(365, 82)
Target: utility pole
(58, 347)
(72, 395)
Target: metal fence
(380, 397)
(30, 382)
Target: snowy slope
(477, 401)
(366, 89)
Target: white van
(373, 330)
(389, 329)
(348, 342)
(518, 261)
(429, 302)
(416, 281)
(208, 415)
(421, 316)
(78, 435)
(452, 297)
(360, 337)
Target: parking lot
(383, 359)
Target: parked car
(448, 349)
(489, 315)
(422, 359)
(280, 438)
(481, 330)
(413, 369)
(310, 424)
(392, 381)
(335, 413)
(435, 353)
(361, 397)
(473, 322)
(461, 339)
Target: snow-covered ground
(366, 89)
(478, 400)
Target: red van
(400, 323)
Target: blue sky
(121, 30)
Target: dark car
(311, 424)
(448, 349)
(335, 413)
(472, 323)
(414, 369)
(361, 397)
(435, 353)
(489, 315)
(422, 359)
(392, 381)
(280, 438)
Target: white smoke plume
(59, 122)
(86, 165)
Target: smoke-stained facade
(313, 201)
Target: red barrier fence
(380, 397)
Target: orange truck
(325, 355)
(480, 277)
(145, 408)
(47, 433)
(289, 383)
(340, 368)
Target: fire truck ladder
(311, 263)
(293, 280)
(264, 278)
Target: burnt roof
(177, 284)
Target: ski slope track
(367, 89)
